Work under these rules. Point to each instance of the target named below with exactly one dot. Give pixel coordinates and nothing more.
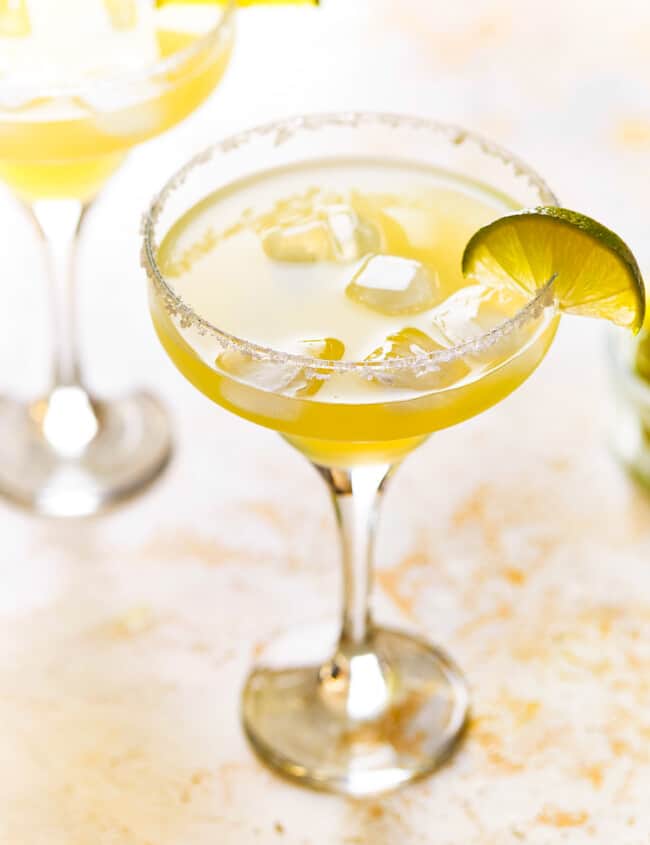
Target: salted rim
(283, 130)
(159, 67)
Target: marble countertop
(514, 540)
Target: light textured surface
(513, 540)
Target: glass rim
(542, 299)
(159, 67)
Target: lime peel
(596, 273)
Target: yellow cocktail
(77, 88)
(306, 275)
(81, 83)
(342, 262)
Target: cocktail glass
(629, 368)
(71, 453)
(378, 707)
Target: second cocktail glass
(306, 275)
(74, 99)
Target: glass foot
(369, 720)
(69, 455)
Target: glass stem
(59, 223)
(68, 417)
(356, 494)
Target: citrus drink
(341, 261)
(65, 124)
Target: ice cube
(411, 342)
(404, 344)
(325, 349)
(267, 375)
(305, 241)
(393, 285)
(68, 41)
(123, 14)
(14, 19)
(475, 310)
(352, 237)
(328, 233)
(287, 377)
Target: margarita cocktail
(118, 72)
(81, 83)
(332, 263)
(307, 276)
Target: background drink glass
(379, 707)
(630, 421)
(71, 453)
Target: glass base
(69, 455)
(363, 723)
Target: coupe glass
(71, 453)
(375, 707)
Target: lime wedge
(595, 273)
